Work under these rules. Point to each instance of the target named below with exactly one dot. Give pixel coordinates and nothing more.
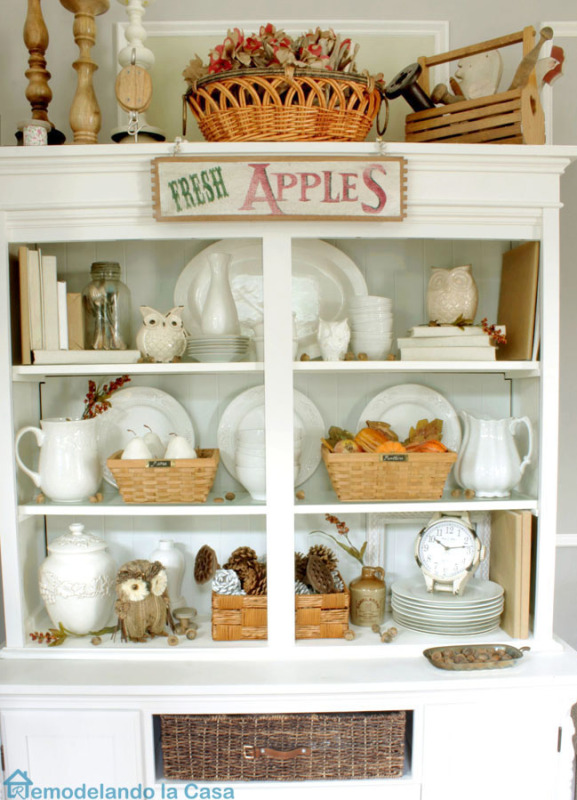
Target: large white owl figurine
(162, 337)
(452, 294)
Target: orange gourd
(391, 447)
(370, 438)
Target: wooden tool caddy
(511, 117)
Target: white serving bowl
(249, 460)
(251, 435)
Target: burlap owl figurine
(143, 605)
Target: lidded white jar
(77, 581)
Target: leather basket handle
(250, 753)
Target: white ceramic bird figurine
(162, 337)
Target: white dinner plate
(246, 411)
(134, 408)
(475, 593)
(402, 406)
(448, 630)
(323, 280)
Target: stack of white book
(447, 343)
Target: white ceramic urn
(77, 581)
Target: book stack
(43, 305)
(447, 343)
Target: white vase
(77, 581)
(219, 315)
(172, 560)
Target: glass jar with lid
(107, 310)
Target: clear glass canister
(107, 310)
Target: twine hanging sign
(284, 188)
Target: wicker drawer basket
(283, 747)
(379, 476)
(182, 480)
(244, 617)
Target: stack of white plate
(477, 610)
(217, 348)
(371, 323)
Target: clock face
(447, 548)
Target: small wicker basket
(182, 480)
(380, 476)
(244, 617)
(285, 106)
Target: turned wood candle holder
(38, 92)
(85, 117)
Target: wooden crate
(244, 617)
(510, 117)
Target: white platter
(246, 411)
(402, 406)
(323, 280)
(132, 409)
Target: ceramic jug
(77, 581)
(489, 461)
(219, 314)
(69, 468)
(172, 559)
(368, 593)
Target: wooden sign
(222, 188)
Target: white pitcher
(489, 462)
(219, 315)
(69, 468)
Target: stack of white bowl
(371, 323)
(249, 460)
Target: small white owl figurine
(162, 337)
(333, 338)
(452, 293)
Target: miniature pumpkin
(391, 447)
(371, 438)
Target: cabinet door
(490, 750)
(69, 748)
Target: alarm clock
(448, 552)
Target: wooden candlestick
(85, 118)
(38, 93)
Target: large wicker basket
(283, 747)
(379, 476)
(285, 106)
(244, 617)
(181, 480)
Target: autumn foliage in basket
(272, 48)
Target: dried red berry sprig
(494, 332)
(97, 399)
(343, 533)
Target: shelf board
(113, 505)
(516, 369)
(40, 371)
(447, 504)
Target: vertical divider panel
(277, 280)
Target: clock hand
(438, 541)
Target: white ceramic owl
(333, 338)
(142, 605)
(452, 293)
(162, 337)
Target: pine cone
(205, 564)
(319, 576)
(255, 582)
(241, 557)
(300, 567)
(325, 554)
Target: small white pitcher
(489, 462)
(69, 468)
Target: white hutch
(81, 714)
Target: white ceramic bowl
(249, 459)
(251, 435)
(254, 481)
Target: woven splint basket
(284, 106)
